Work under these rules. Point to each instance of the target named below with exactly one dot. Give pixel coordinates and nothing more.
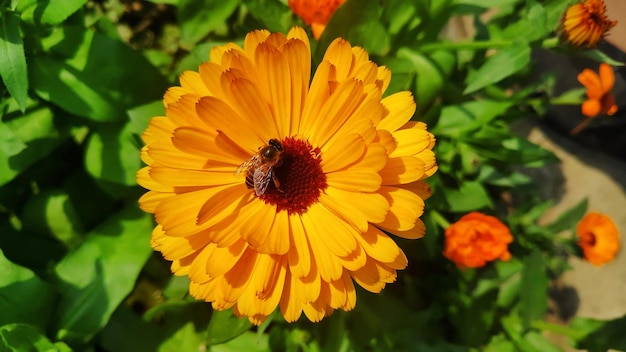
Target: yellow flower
(346, 166)
(585, 23)
(315, 13)
(598, 237)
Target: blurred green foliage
(81, 80)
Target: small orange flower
(315, 13)
(598, 237)
(600, 100)
(585, 23)
(477, 239)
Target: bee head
(275, 144)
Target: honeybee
(259, 168)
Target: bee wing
(262, 176)
(248, 164)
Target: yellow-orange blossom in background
(584, 24)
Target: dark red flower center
(589, 238)
(300, 177)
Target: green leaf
(10, 143)
(12, 59)
(493, 277)
(202, 52)
(358, 22)
(490, 175)
(58, 83)
(501, 65)
(199, 18)
(526, 340)
(39, 131)
(469, 196)
(499, 144)
(246, 342)
(599, 56)
(554, 11)
(456, 120)
(534, 294)
(181, 329)
(224, 326)
(599, 335)
(94, 76)
(140, 116)
(399, 14)
(573, 96)
(486, 3)
(113, 154)
(472, 317)
(538, 342)
(48, 11)
(24, 298)
(532, 24)
(52, 213)
(91, 210)
(29, 249)
(570, 218)
(509, 291)
(95, 277)
(499, 343)
(186, 338)
(169, 2)
(403, 74)
(274, 15)
(177, 287)
(24, 337)
(432, 73)
(521, 151)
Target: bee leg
(276, 182)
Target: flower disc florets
(301, 177)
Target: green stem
(486, 44)
(489, 44)
(439, 219)
(555, 101)
(550, 43)
(566, 101)
(556, 328)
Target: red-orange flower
(585, 23)
(598, 237)
(600, 100)
(315, 13)
(477, 239)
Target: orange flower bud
(315, 13)
(477, 239)
(585, 24)
(598, 237)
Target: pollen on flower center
(301, 177)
